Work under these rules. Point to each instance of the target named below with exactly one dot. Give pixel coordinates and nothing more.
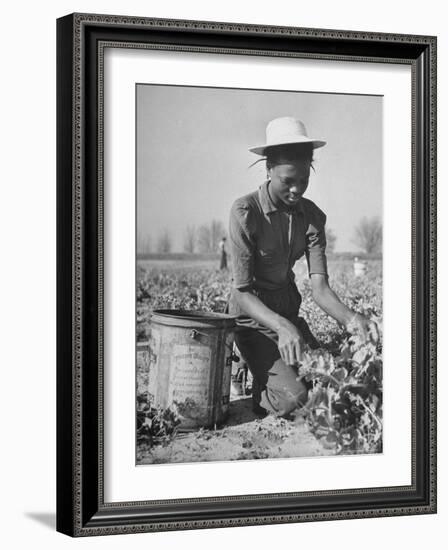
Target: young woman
(269, 230)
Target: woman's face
(289, 180)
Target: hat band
(286, 138)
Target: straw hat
(284, 131)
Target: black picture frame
(81, 510)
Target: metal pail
(190, 363)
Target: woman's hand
(364, 326)
(290, 342)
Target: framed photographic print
(246, 274)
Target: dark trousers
(276, 386)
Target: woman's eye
(294, 183)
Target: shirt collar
(266, 202)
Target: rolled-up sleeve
(316, 242)
(241, 244)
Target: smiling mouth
(293, 199)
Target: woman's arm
(290, 341)
(328, 300)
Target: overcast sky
(193, 159)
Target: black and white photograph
(259, 274)
(224, 252)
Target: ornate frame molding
(82, 510)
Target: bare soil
(243, 437)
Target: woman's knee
(293, 399)
(280, 403)
(284, 391)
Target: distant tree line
(143, 244)
(331, 240)
(165, 242)
(369, 235)
(204, 239)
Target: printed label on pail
(190, 378)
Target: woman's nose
(298, 187)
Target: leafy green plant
(155, 425)
(344, 408)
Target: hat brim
(261, 149)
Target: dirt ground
(243, 437)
